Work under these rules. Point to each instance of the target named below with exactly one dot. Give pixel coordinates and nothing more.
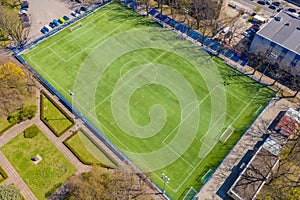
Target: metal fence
(62, 99)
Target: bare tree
(12, 25)
(146, 4)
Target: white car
(48, 27)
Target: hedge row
(59, 108)
(3, 174)
(82, 159)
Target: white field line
(79, 35)
(56, 54)
(48, 75)
(187, 177)
(258, 109)
(237, 97)
(125, 83)
(202, 138)
(56, 41)
(86, 48)
(182, 120)
(36, 53)
(180, 156)
(244, 108)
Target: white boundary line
(54, 52)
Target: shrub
(25, 113)
(31, 131)
(13, 118)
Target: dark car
(292, 10)
(279, 9)
(55, 21)
(44, 30)
(261, 2)
(78, 1)
(52, 25)
(255, 26)
(66, 18)
(272, 7)
(276, 3)
(78, 11)
(83, 8)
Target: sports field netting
(160, 99)
(226, 134)
(190, 194)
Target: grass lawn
(87, 151)
(54, 117)
(160, 99)
(47, 175)
(4, 123)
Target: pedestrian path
(14, 178)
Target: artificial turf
(42, 178)
(160, 99)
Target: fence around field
(78, 114)
(62, 99)
(17, 53)
(210, 46)
(61, 27)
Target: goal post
(190, 194)
(76, 26)
(207, 175)
(226, 134)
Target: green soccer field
(159, 98)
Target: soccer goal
(207, 175)
(190, 194)
(226, 134)
(75, 27)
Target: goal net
(226, 134)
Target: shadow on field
(123, 14)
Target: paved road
(253, 4)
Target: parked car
(78, 11)
(55, 21)
(83, 8)
(272, 7)
(261, 2)
(66, 18)
(292, 10)
(279, 9)
(44, 30)
(48, 27)
(276, 3)
(61, 20)
(268, 2)
(52, 25)
(74, 14)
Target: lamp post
(71, 93)
(186, 11)
(166, 181)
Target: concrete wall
(261, 46)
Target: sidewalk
(14, 178)
(215, 188)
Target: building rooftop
(283, 29)
(255, 174)
(287, 124)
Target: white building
(280, 40)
